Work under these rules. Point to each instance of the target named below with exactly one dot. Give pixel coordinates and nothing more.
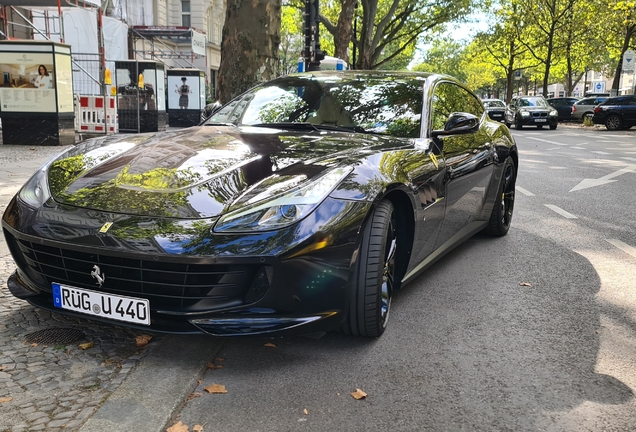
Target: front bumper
(538, 121)
(292, 281)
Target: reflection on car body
(298, 207)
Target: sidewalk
(49, 383)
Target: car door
(468, 157)
(630, 111)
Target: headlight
(283, 210)
(524, 113)
(554, 113)
(36, 191)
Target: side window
(449, 98)
(472, 104)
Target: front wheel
(501, 215)
(613, 122)
(518, 124)
(553, 127)
(374, 275)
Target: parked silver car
(585, 107)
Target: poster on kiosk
(36, 91)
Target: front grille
(539, 114)
(169, 286)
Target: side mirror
(459, 123)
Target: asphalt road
(533, 331)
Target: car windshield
(533, 102)
(387, 104)
(494, 104)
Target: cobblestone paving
(55, 387)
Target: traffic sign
(598, 86)
(628, 61)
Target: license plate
(540, 120)
(495, 115)
(116, 307)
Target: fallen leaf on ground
(142, 340)
(34, 344)
(219, 359)
(2, 368)
(86, 345)
(213, 366)
(270, 345)
(215, 388)
(305, 411)
(179, 427)
(200, 381)
(6, 399)
(358, 394)
(197, 428)
(194, 395)
(525, 284)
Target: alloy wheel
(388, 272)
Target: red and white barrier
(92, 117)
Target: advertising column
(186, 96)
(36, 93)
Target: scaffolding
(54, 26)
(155, 43)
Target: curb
(157, 389)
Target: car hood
(199, 172)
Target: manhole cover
(55, 336)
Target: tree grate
(55, 336)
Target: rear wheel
(501, 215)
(613, 122)
(374, 277)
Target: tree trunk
(249, 50)
(629, 33)
(369, 12)
(342, 38)
(548, 62)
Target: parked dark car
(530, 111)
(616, 113)
(563, 106)
(585, 107)
(298, 207)
(495, 108)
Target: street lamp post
(312, 54)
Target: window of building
(185, 13)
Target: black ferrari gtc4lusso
(298, 207)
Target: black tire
(613, 122)
(518, 124)
(374, 275)
(539, 126)
(553, 127)
(501, 215)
